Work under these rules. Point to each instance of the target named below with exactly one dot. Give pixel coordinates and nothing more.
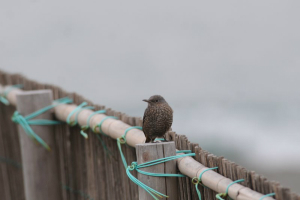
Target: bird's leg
(165, 140)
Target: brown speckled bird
(158, 118)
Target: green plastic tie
(3, 96)
(4, 100)
(100, 124)
(122, 140)
(76, 111)
(267, 195)
(198, 181)
(159, 139)
(134, 166)
(28, 120)
(87, 126)
(223, 196)
(184, 151)
(107, 151)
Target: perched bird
(158, 118)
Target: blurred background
(230, 69)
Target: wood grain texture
(152, 151)
(10, 149)
(70, 145)
(115, 128)
(41, 177)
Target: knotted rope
(137, 167)
(122, 140)
(26, 121)
(87, 126)
(223, 196)
(198, 181)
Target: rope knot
(221, 196)
(133, 166)
(84, 128)
(195, 181)
(27, 121)
(72, 123)
(122, 140)
(17, 117)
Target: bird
(158, 118)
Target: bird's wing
(169, 121)
(144, 117)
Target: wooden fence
(86, 171)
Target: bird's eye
(156, 100)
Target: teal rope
(198, 181)
(162, 160)
(3, 96)
(148, 189)
(4, 100)
(76, 111)
(223, 196)
(100, 124)
(135, 166)
(83, 128)
(107, 151)
(26, 121)
(122, 140)
(184, 151)
(73, 123)
(267, 195)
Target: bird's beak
(146, 100)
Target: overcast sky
(245, 50)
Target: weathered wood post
(40, 168)
(152, 151)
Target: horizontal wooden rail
(187, 165)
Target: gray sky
(229, 69)
(226, 49)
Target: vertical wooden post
(40, 168)
(152, 151)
